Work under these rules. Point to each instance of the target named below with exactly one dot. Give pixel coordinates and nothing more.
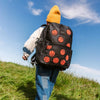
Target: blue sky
(20, 18)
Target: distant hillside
(17, 82)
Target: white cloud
(30, 4)
(86, 72)
(78, 9)
(36, 11)
(33, 10)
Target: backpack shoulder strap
(43, 25)
(44, 32)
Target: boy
(45, 78)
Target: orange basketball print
(55, 60)
(62, 51)
(51, 53)
(60, 39)
(68, 32)
(49, 46)
(54, 32)
(46, 59)
(62, 62)
(67, 57)
(68, 45)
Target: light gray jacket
(29, 45)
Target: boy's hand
(24, 57)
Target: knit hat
(54, 15)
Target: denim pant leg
(54, 74)
(45, 80)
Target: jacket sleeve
(30, 43)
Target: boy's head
(54, 15)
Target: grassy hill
(17, 82)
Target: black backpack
(53, 48)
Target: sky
(20, 18)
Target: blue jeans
(45, 80)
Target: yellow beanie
(54, 15)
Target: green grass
(17, 82)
